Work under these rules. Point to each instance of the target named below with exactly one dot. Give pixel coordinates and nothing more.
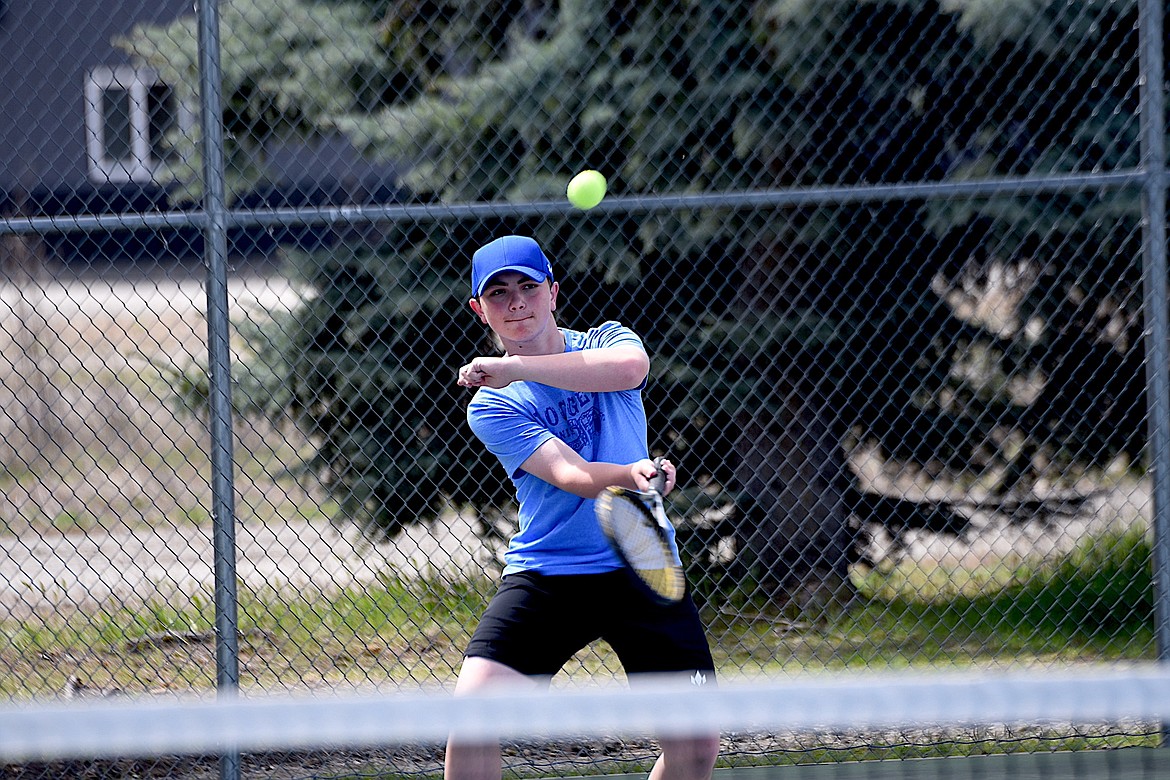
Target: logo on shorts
(698, 678)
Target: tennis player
(562, 410)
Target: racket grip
(658, 481)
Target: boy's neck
(553, 344)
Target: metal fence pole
(1153, 130)
(219, 367)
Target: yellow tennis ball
(586, 189)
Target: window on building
(129, 114)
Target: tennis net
(1085, 722)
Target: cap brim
(531, 273)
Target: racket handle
(658, 481)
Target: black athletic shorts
(537, 622)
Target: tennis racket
(636, 525)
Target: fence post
(227, 660)
(1153, 151)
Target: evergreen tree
(776, 334)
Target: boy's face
(517, 308)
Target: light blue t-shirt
(558, 532)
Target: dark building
(81, 128)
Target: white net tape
(114, 728)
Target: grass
(390, 631)
(1093, 605)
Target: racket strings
(635, 531)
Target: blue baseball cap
(508, 253)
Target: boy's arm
(601, 370)
(559, 465)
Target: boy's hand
(643, 471)
(486, 372)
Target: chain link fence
(887, 258)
